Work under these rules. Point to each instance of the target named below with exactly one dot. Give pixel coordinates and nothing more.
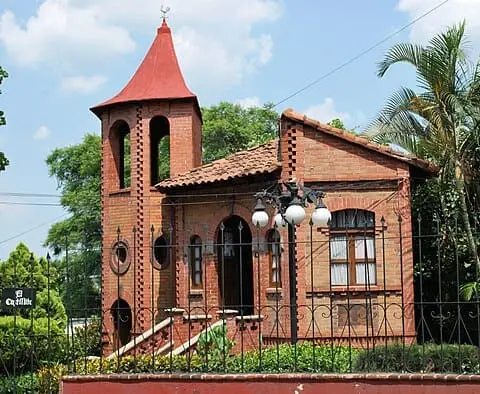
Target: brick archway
(122, 322)
(235, 265)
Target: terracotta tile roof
(258, 160)
(352, 138)
(158, 76)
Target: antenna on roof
(164, 10)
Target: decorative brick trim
(139, 193)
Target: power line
(246, 196)
(32, 229)
(15, 194)
(218, 197)
(358, 56)
(28, 203)
(341, 66)
(309, 85)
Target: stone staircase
(183, 330)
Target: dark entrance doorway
(122, 322)
(235, 266)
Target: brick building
(180, 252)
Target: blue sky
(64, 56)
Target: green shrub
(48, 378)
(17, 345)
(214, 345)
(23, 384)
(417, 358)
(305, 357)
(85, 341)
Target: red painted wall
(291, 384)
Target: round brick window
(120, 259)
(161, 253)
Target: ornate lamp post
(291, 212)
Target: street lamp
(291, 212)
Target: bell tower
(151, 131)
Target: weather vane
(164, 10)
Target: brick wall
(308, 156)
(135, 209)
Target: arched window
(120, 142)
(274, 255)
(196, 262)
(122, 322)
(159, 149)
(161, 251)
(352, 248)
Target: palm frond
(400, 53)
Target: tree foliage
(77, 170)
(337, 123)
(3, 159)
(230, 128)
(442, 121)
(76, 240)
(23, 269)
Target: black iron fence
(364, 299)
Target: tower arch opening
(159, 149)
(120, 145)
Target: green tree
(230, 128)
(3, 159)
(48, 319)
(337, 123)
(22, 269)
(77, 170)
(76, 240)
(441, 122)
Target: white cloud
(249, 102)
(42, 133)
(215, 41)
(454, 11)
(61, 33)
(82, 84)
(326, 111)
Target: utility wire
(14, 194)
(247, 196)
(358, 56)
(42, 204)
(32, 229)
(297, 92)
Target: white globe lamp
(295, 213)
(260, 216)
(321, 216)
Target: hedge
(19, 347)
(304, 357)
(428, 358)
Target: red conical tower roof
(158, 77)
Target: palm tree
(440, 123)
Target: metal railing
(410, 306)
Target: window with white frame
(352, 248)
(274, 254)
(196, 262)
